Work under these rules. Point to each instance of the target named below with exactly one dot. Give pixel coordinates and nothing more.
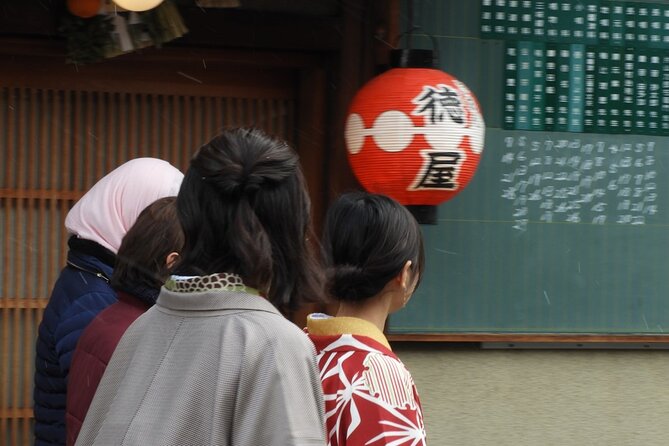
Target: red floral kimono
(370, 397)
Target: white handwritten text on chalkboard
(572, 180)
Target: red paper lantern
(83, 8)
(415, 134)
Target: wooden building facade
(289, 68)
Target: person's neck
(374, 310)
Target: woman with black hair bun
(374, 252)
(214, 362)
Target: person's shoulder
(73, 285)
(72, 297)
(107, 327)
(384, 364)
(276, 328)
(388, 379)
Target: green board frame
(549, 239)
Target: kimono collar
(200, 284)
(222, 291)
(320, 324)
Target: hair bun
(232, 179)
(227, 163)
(348, 282)
(250, 184)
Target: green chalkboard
(557, 233)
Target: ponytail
(244, 208)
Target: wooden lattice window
(57, 142)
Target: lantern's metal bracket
(413, 57)
(424, 214)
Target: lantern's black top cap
(412, 58)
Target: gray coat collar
(212, 300)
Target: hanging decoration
(415, 133)
(112, 32)
(87, 40)
(84, 8)
(138, 5)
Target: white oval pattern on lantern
(393, 131)
(477, 134)
(355, 133)
(476, 124)
(444, 135)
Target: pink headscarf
(106, 212)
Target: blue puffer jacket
(80, 293)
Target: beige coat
(209, 368)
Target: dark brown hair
(367, 240)
(244, 208)
(141, 258)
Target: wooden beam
(355, 67)
(41, 194)
(21, 17)
(311, 142)
(170, 52)
(146, 77)
(530, 338)
(229, 28)
(185, 71)
(368, 29)
(386, 29)
(235, 28)
(12, 413)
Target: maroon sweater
(94, 350)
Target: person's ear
(171, 259)
(403, 285)
(404, 277)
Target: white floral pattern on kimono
(370, 397)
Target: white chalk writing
(574, 181)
